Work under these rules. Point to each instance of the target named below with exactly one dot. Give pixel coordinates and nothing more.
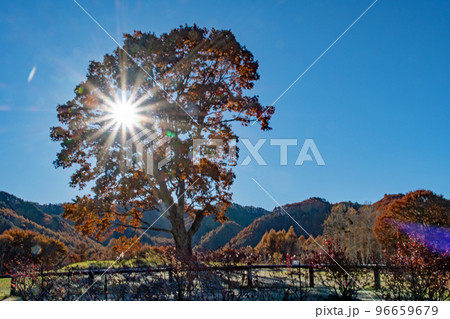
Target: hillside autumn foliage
(422, 208)
(27, 247)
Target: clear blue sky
(377, 104)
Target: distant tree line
(410, 234)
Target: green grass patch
(5, 288)
(149, 261)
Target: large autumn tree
(421, 211)
(191, 83)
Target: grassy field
(5, 288)
(151, 261)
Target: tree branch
(196, 223)
(144, 228)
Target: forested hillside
(47, 220)
(310, 214)
(43, 219)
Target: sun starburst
(124, 113)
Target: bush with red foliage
(338, 272)
(417, 272)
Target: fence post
(91, 275)
(376, 275)
(249, 275)
(69, 274)
(13, 286)
(106, 287)
(170, 273)
(311, 277)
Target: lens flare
(435, 238)
(36, 250)
(31, 75)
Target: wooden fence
(247, 269)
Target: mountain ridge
(245, 225)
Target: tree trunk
(184, 249)
(182, 238)
(182, 235)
